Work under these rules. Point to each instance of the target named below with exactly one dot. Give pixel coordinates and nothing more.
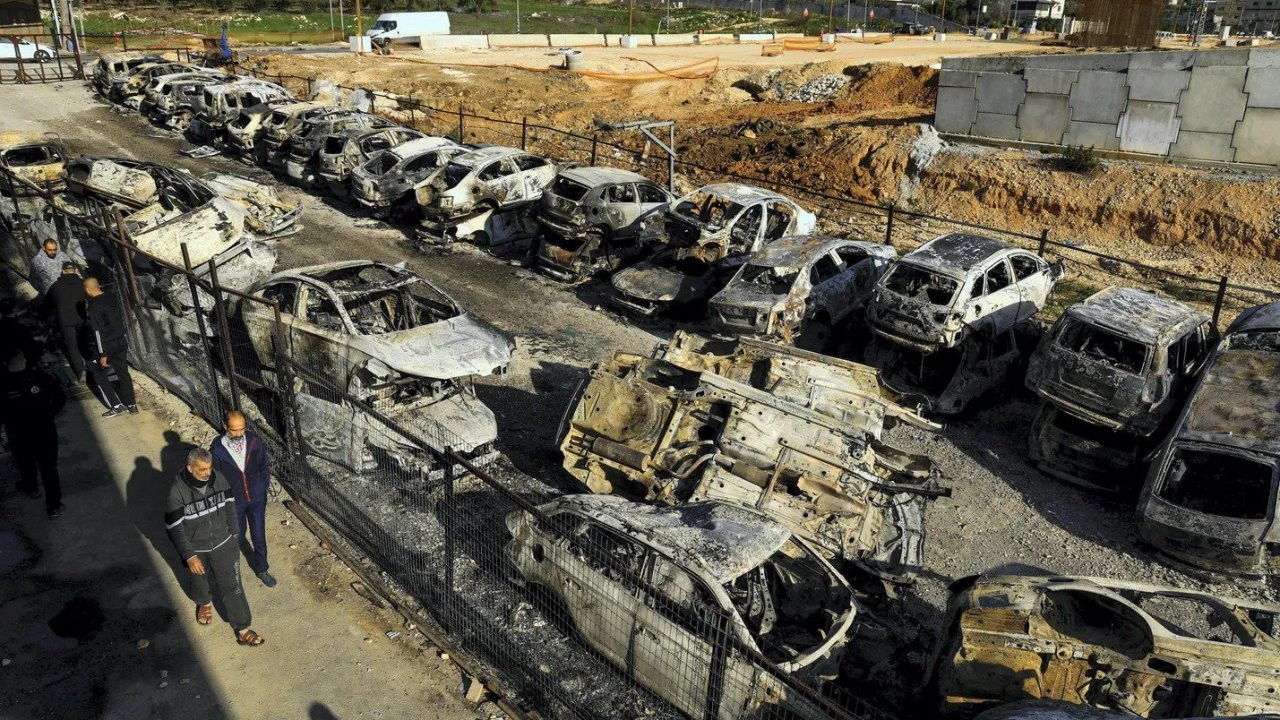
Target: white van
(407, 26)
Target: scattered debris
(201, 151)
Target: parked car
(244, 132)
(407, 26)
(708, 234)
(306, 140)
(386, 182)
(799, 288)
(35, 158)
(344, 151)
(596, 219)
(955, 285)
(220, 104)
(393, 340)
(127, 87)
(482, 180)
(1210, 497)
(1112, 371)
(1143, 650)
(643, 586)
(113, 65)
(169, 100)
(279, 124)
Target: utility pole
(1198, 24)
(631, 16)
(331, 33)
(831, 17)
(359, 27)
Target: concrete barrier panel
(1099, 96)
(1257, 138)
(755, 37)
(1059, 82)
(1149, 127)
(1224, 56)
(956, 110)
(793, 36)
(1000, 94)
(1157, 85)
(453, 42)
(957, 78)
(1214, 101)
(677, 39)
(521, 40)
(576, 40)
(1100, 136)
(1172, 60)
(1263, 87)
(1264, 57)
(993, 125)
(715, 38)
(1105, 62)
(1203, 146)
(1043, 118)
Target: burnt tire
(816, 335)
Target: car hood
(649, 282)
(744, 297)
(453, 348)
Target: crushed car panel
(1144, 650)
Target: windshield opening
(242, 121)
(916, 282)
(455, 173)
(711, 210)
(789, 603)
(1266, 340)
(1218, 483)
(382, 164)
(31, 155)
(1103, 346)
(569, 190)
(772, 280)
(335, 144)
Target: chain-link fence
(584, 607)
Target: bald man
(240, 456)
(111, 342)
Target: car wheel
(816, 335)
(43, 56)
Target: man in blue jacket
(241, 457)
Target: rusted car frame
(302, 162)
(387, 181)
(37, 159)
(221, 104)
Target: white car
(12, 47)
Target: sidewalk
(95, 621)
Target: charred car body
(647, 586)
(174, 99)
(596, 219)
(243, 132)
(344, 151)
(37, 159)
(221, 104)
(1139, 649)
(479, 182)
(386, 336)
(790, 433)
(269, 146)
(706, 236)
(799, 288)
(1112, 371)
(953, 318)
(306, 141)
(1210, 497)
(386, 182)
(115, 67)
(128, 88)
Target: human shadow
(530, 424)
(320, 711)
(146, 495)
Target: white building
(1024, 10)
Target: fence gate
(39, 58)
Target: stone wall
(1217, 105)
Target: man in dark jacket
(200, 517)
(66, 302)
(241, 456)
(112, 342)
(29, 402)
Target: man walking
(66, 302)
(29, 402)
(241, 456)
(46, 266)
(112, 344)
(200, 518)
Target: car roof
(10, 139)
(1260, 317)
(956, 252)
(796, 250)
(479, 156)
(418, 146)
(721, 540)
(739, 193)
(594, 176)
(1137, 314)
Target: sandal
(249, 637)
(204, 614)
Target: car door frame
(1031, 301)
(978, 318)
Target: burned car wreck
(741, 423)
(394, 341)
(953, 319)
(386, 182)
(458, 202)
(344, 151)
(1143, 650)
(596, 219)
(800, 288)
(33, 158)
(645, 585)
(1112, 372)
(1210, 497)
(706, 235)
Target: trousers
(253, 513)
(121, 392)
(38, 453)
(71, 347)
(222, 565)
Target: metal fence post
(204, 335)
(220, 312)
(1221, 297)
(461, 133)
(123, 238)
(888, 229)
(595, 139)
(1044, 242)
(524, 132)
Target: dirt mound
(884, 85)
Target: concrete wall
(451, 42)
(521, 40)
(578, 40)
(1218, 105)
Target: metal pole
(204, 335)
(888, 230)
(450, 507)
(284, 376)
(671, 160)
(461, 136)
(1217, 301)
(342, 18)
(594, 140)
(517, 17)
(631, 14)
(524, 133)
(1044, 241)
(220, 312)
(332, 36)
(128, 259)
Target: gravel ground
(1003, 514)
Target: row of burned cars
(741, 473)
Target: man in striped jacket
(201, 519)
(240, 455)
